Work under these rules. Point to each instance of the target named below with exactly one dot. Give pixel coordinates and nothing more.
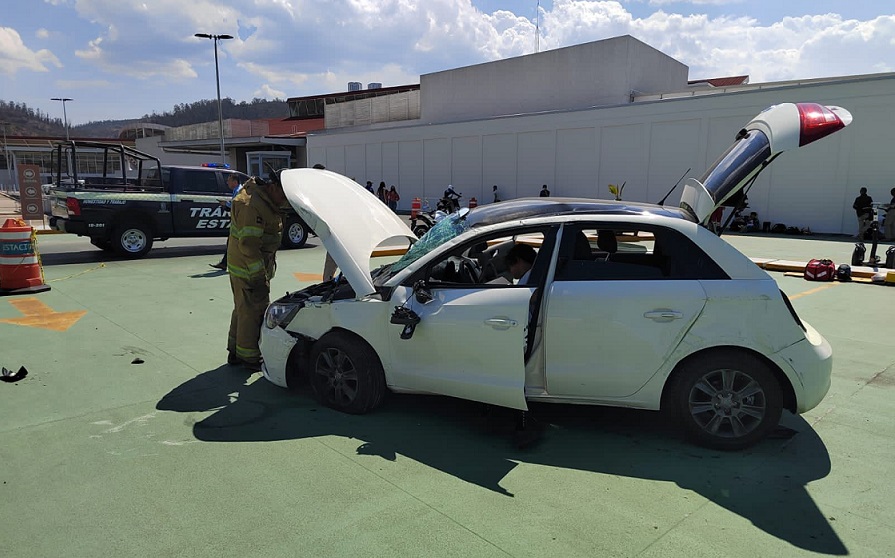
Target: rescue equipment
(820, 270)
(20, 268)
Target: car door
(615, 314)
(471, 339)
(469, 344)
(197, 209)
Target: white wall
(649, 145)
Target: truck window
(206, 182)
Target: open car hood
(776, 129)
(348, 220)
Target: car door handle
(663, 315)
(500, 323)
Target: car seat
(582, 248)
(607, 242)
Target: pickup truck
(124, 199)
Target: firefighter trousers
(250, 300)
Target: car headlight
(280, 314)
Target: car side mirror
(422, 292)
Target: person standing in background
(496, 195)
(889, 223)
(545, 193)
(382, 193)
(392, 197)
(863, 207)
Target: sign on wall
(31, 194)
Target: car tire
(726, 400)
(132, 241)
(345, 374)
(295, 233)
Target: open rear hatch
(776, 129)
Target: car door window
(484, 261)
(612, 252)
(203, 182)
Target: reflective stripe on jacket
(256, 227)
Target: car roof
(524, 208)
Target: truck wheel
(295, 234)
(132, 241)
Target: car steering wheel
(468, 271)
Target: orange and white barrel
(473, 203)
(19, 262)
(415, 207)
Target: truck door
(198, 196)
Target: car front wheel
(727, 401)
(345, 374)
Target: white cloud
(15, 56)
(267, 92)
(42, 33)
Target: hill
(22, 120)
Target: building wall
(648, 146)
(374, 110)
(593, 74)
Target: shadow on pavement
(765, 484)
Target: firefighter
(255, 230)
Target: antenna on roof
(662, 201)
(537, 27)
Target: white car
(626, 304)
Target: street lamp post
(64, 116)
(217, 78)
(5, 145)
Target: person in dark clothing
(889, 223)
(863, 207)
(545, 193)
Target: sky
(120, 59)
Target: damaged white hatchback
(625, 304)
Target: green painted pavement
(184, 456)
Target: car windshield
(445, 230)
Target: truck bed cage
(117, 159)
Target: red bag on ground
(820, 270)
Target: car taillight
(73, 206)
(818, 121)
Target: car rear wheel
(345, 374)
(726, 401)
(295, 234)
(132, 241)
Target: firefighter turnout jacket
(256, 227)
